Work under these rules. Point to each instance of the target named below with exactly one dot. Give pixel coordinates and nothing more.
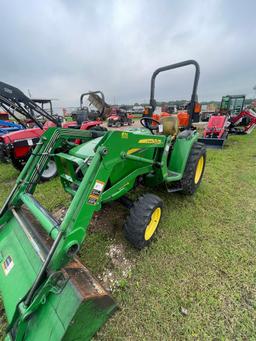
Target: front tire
(194, 170)
(144, 218)
(50, 171)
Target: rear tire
(19, 163)
(144, 218)
(194, 169)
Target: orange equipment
(183, 118)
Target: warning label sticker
(7, 265)
(96, 192)
(98, 187)
(93, 199)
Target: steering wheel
(146, 122)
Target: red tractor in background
(119, 117)
(17, 146)
(116, 117)
(232, 118)
(84, 115)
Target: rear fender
(25, 134)
(180, 153)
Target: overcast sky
(61, 48)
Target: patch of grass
(2, 320)
(52, 195)
(93, 253)
(8, 175)
(202, 261)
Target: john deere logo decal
(124, 135)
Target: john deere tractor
(47, 293)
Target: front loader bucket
(211, 142)
(76, 313)
(76, 304)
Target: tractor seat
(170, 125)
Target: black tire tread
(137, 221)
(188, 185)
(19, 163)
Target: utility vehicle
(232, 118)
(119, 118)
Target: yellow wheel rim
(154, 221)
(199, 169)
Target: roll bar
(98, 92)
(171, 67)
(44, 101)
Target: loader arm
(67, 237)
(11, 98)
(248, 128)
(80, 212)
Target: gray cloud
(60, 48)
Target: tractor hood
(21, 135)
(87, 149)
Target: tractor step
(173, 176)
(173, 186)
(174, 189)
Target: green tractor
(47, 293)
